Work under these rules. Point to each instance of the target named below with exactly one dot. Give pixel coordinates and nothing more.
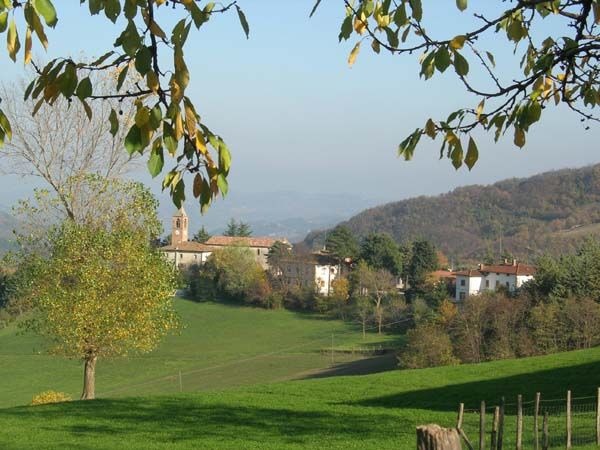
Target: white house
(185, 253)
(316, 270)
(489, 277)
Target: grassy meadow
(220, 346)
(255, 379)
(359, 412)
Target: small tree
(232, 228)
(342, 243)
(201, 236)
(428, 346)
(101, 293)
(378, 284)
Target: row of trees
(559, 310)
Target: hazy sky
(297, 118)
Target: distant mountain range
(287, 214)
(547, 213)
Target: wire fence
(557, 423)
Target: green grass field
(372, 411)
(361, 412)
(220, 346)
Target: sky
(297, 118)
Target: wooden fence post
(482, 426)
(598, 418)
(536, 425)
(461, 412)
(519, 445)
(495, 428)
(434, 437)
(545, 432)
(569, 419)
(501, 425)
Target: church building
(184, 253)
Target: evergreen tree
(342, 243)
(243, 229)
(201, 236)
(232, 228)
(380, 251)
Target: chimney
(505, 261)
(514, 262)
(479, 266)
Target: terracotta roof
(442, 274)
(312, 258)
(266, 242)
(468, 273)
(510, 269)
(189, 246)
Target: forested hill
(547, 213)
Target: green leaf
(243, 21)
(472, 154)
(417, 9)
(95, 6)
(222, 183)
(491, 58)
(5, 125)
(46, 9)
(84, 89)
(68, 80)
(114, 122)
(133, 140)
(121, 78)
(461, 4)
(346, 30)
(457, 155)
(400, 18)
(156, 160)
(143, 60)
(392, 37)
(3, 21)
(442, 59)
(179, 194)
(169, 138)
(460, 64)
(519, 137)
(112, 9)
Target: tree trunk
(364, 329)
(434, 437)
(89, 378)
(379, 318)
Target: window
(462, 282)
(507, 284)
(258, 251)
(497, 283)
(462, 295)
(487, 283)
(178, 224)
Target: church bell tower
(179, 227)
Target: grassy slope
(218, 348)
(373, 411)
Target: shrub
(50, 397)
(428, 346)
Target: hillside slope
(550, 212)
(363, 412)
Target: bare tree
(59, 144)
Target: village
(319, 270)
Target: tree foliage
(202, 235)
(166, 119)
(380, 251)
(557, 67)
(342, 243)
(100, 293)
(237, 229)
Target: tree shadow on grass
(583, 380)
(366, 366)
(175, 419)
